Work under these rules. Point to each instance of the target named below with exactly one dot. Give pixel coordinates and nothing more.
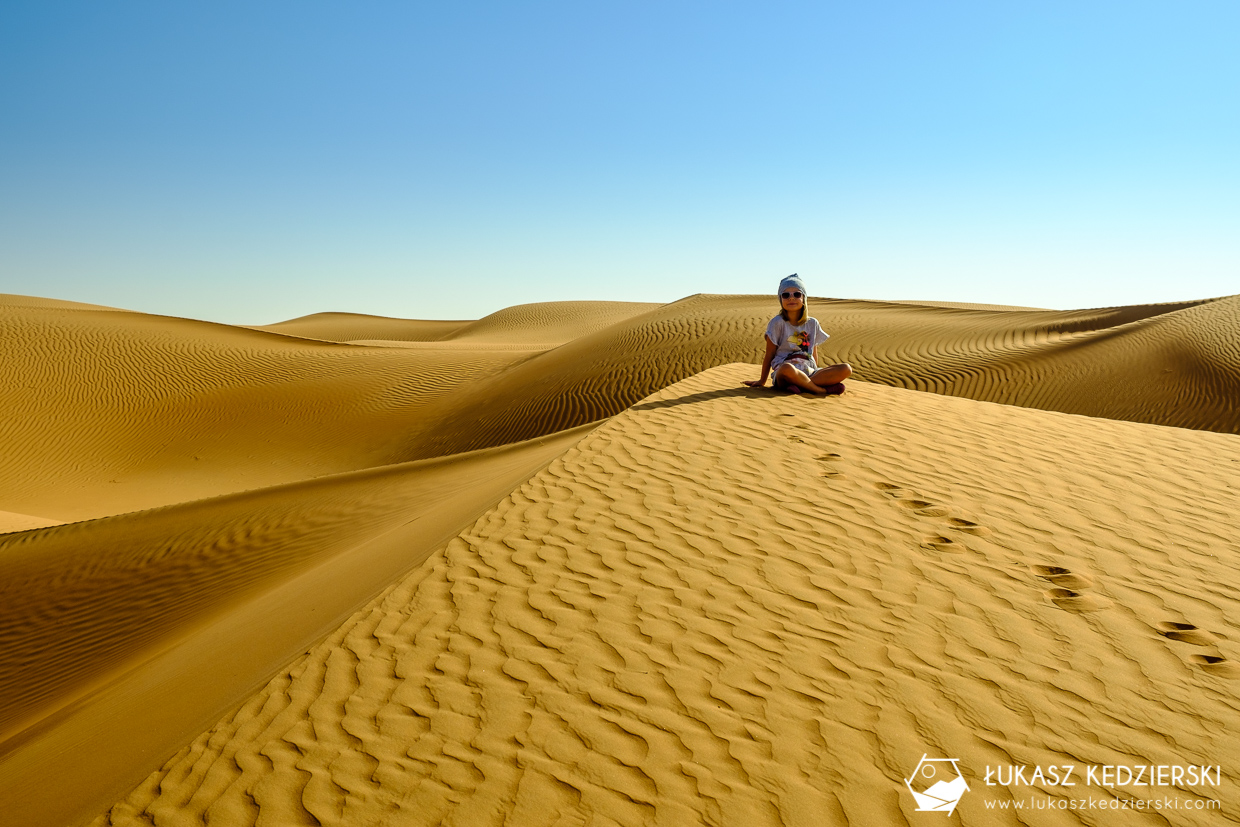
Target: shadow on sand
(723, 393)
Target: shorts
(802, 364)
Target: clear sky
(248, 162)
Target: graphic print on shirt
(801, 340)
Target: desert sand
(558, 566)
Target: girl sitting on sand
(792, 339)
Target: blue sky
(251, 162)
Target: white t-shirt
(794, 341)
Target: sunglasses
(795, 294)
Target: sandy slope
(121, 583)
(969, 305)
(231, 494)
(648, 633)
(22, 522)
(123, 411)
(1162, 364)
(348, 327)
(121, 638)
(12, 300)
(546, 323)
(551, 322)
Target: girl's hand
(755, 383)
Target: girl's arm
(766, 365)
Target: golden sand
(532, 571)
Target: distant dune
(348, 327)
(10, 300)
(558, 566)
(970, 305)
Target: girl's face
(791, 300)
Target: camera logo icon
(936, 785)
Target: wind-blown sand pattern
(718, 606)
(646, 632)
(1165, 364)
(22, 522)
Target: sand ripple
(724, 606)
(682, 621)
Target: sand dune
(349, 327)
(641, 632)
(148, 625)
(544, 324)
(553, 323)
(22, 522)
(164, 567)
(124, 411)
(11, 300)
(969, 305)
(1166, 364)
(647, 633)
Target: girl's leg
(790, 375)
(832, 375)
(780, 382)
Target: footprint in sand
(1074, 601)
(925, 508)
(1216, 665)
(1064, 578)
(968, 527)
(829, 472)
(938, 542)
(913, 501)
(1186, 633)
(1070, 593)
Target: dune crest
(143, 627)
(730, 607)
(1160, 364)
(640, 632)
(12, 300)
(10, 522)
(123, 411)
(552, 323)
(349, 327)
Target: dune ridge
(122, 411)
(553, 323)
(10, 522)
(349, 327)
(14, 300)
(967, 305)
(147, 625)
(646, 632)
(1160, 364)
(172, 490)
(167, 565)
